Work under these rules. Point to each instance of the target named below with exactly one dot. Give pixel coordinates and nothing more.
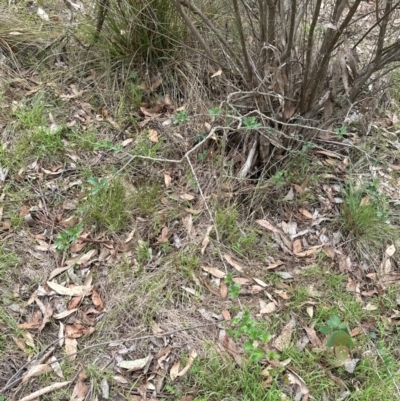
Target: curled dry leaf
(134, 365)
(192, 357)
(36, 370)
(217, 74)
(214, 272)
(266, 308)
(44, 390)
(206, 239)
(71, 347)
(78, 290)
(153, 135)
(167, 180)
(233, 263)
(283, 340)
(173, 373)
(224, 291)
(97, 301)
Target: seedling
(341, 132)
(65, 239)
(181, 117)
(255, 333)
(278, 178)
(97, 185)
(339, 337)
(215, 111)
(251, 123)
(233, 288)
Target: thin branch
(238, 19)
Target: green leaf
(257, 355)
(248, 347)
(342, 353)
(325, 330)
(334, 321)
(339, 338)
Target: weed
(65, 239)
(341, 132)
(251, 123)
(233, 288)
(98, 185)
(278, 177)
(107, 207)
(181, 117)
(214, 112)
(143, 253)
(216, 378)
(254, 332)
(339, 337)
(364, 220)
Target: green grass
(108, 207)
(216, 379)
(364, 216)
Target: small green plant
(181, 117)
(202, 155)
(97, 184)
(107, 145)
(66, 238)
(278, 177)
(143, 252)
(214, 112)
(251, 123)
(307, 145)
(233, 288)
(341, 132)
(254, 333)
(339, 337)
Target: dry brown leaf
(133, 366)
(173, 373)
(20, 344)
(226, 315)
(29, 341)
(312, 335)
(74, 303)
(229, 346)
(241, 280)
(167, 180)
(187, 197)
(233, 263)
(309, 251)
(44, 390)
(36, 370)
(78, 290)
(155, 328)
(192, 357)
(217, 74)
(275, 265)
(206, 239)
(81, 388)
(283, 340)
(97, 301)
(260, 282)
(297, 247)
(283, 294)
(329, 251)
(310, 311)
(266, 308)
(224, 291)
(71, 347)
(64, 314)
(306, 213)
(153, 135)
(294, 378)
(58, 271)
(213, 271)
